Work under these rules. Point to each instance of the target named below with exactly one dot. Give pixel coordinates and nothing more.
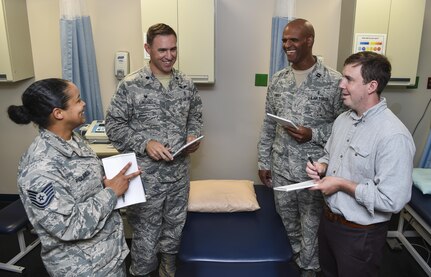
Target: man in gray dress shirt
(368, 165)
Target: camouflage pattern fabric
(300, 211)
(62, 191)
(142, 110)
(155, 231)
(315, 104)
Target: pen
(312, 162)
(310, 159)
(124, 198)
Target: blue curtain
(79, 62)
(426, 156)
(278, 57)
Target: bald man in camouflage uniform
(61, 187)
(154, 112)
(307, 93)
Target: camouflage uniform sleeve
(117, 119)
(66, 217)
(321, 133)
(194, 120)
(267, 136)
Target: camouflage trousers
(157, 224)
(300, 211)
(86, 270)
(120, 272)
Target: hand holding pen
(315, 170)
(120, 183)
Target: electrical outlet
(429, 83)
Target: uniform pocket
(147, 109)
(360, 161)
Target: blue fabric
(421, 204)
(13, 218)
(79, 63)
(278, 57)
(236, 244)
(426, 156)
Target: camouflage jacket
(142, 110)
(314, 104)
(62, 190)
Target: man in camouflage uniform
(153, 113)
(61, 187)
(307, 93)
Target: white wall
(233, 107)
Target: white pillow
(422, 179)
(217, 196)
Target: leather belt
(329, 215)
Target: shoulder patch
(41, 199)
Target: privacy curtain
(283, 13)
(278, 57)
(78, 55)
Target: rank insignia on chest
(42, 198)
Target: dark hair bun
(19, 114)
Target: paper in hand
(303, 185)
(282, 121)
(186, 145)
(135, 193)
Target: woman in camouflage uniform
(61, 184)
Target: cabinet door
(404, 39)
(16, 59)
(400, 20)
(372, 16)
(193, 21)
(5, 63)
(158, 11)
(196, 39)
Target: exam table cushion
(422, 179)
(251, 244)
(13, 217)
(421, 204)
(217, 196)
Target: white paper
(282, 121)
(303, 185)
(135, 194)
(186, 145)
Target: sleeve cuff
(364, 199)
(112, 198)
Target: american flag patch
(41, 199)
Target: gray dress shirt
(376, 151)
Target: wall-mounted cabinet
(398, 22)
(194, 23)
(16, 59)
